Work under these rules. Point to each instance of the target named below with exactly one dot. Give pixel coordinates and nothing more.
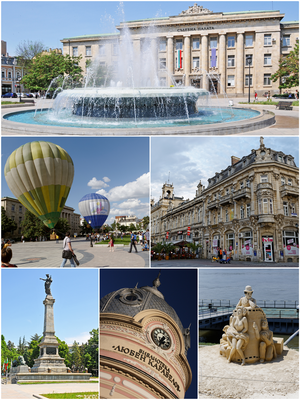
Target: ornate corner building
(216, 51)
(143, 346)
(251, 208)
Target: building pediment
(195, 9)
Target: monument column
(222, 62)
(187, 59)
(204, 64)
(240, 64)
(170, 59)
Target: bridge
(283, 316)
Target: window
(196, 43)
(20, 209)
(280, 158)
(249, 58)
(242, 185)
(265, 206)
(9, 75)
(226, 216)
(20, 220)
(290, 238)
(267, 59)
(196, 62)
(247, 80)
(115, 49)
(162, 45)
(75, 51)
(102, 49)
(248, 183)
(162, 63)
(231, 41)
(289, 182)
(162, 81)
(227, 191)
(286, 40)
(264, 178)
(211, 61)
(242, 212)
(259, 207)
(178, 44)
(282, 181)
(248, 210)
(271, 206)
(267, 79)
(213, 42)
(267, 40)
(12, 207)
(88, 50)
(230, 61)
(285, 209)
(249, 40)
(230, 241)
(3, 74)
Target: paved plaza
(196, 263)
(36, 391)
(49, 255)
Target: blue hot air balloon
(95, 209)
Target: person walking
(255, 96)
(220, 253)
(147, 234)
(112, 244)
(132, 242)
(67, 251)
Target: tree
(288, 70)
(146, 222)
(63, 351)
(22, 345)
(27, 50)
(132, 227)
(76, 358)
(91, 351)
(44, 68)
(62, 226)
(122, 228)
(33, 227)
(7, 224)
(113, 226)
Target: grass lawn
(272, 103)
(49, 382)
(78, 395)
(10, 102)
(117, 241)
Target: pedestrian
(6, 256)
(296, 95)
(132, 242)
(57, 237)
(22, 239)
(67, 251)
(224, 254)
(269, 96)
(255, 97)
(141, 238)
(220, 253)
(112, 244)
(147, 234)
(98, 237)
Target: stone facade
(11, 72)
(16, 211)
(202, 36)
(251, 209)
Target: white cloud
(98, 184)
(80, 338)
(131, 190)
(106, 179)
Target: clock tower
(143, 346)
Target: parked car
(29, 95)
(9, 95)
(22, 95)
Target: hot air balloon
(95, 209)
(40, 175)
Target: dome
(130, 302)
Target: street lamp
(91, 243)
(249, 62)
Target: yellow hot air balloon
(40, 175)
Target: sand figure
(267, 350)
(248, 301)
(237, 334)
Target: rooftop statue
(247, 338)
(195, 9)
(48, 282)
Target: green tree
(91, 352)
(7, 224)
(44, 68)
(132, 227)
(64, 352)
(33, 227)
(146, 222)
(22, 345)
(32, 352)
(7, 353)
(288, 70)
(113, 226)
(62, 226)
(76, 358)
(123, 228)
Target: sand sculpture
(247, 338)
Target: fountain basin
(119, 102)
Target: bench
(284, 105)
(24, 100)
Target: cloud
(106, 179)
(131, 190)
(95, 184)
(80, 338)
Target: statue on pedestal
(247, 338)
(48, 282)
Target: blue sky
(179, 288)
(49, 22)
(191, 159)
(76, 307)
(117, 168)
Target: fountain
(138, 100)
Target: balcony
(288, 190)
(266, 219)
(213, 204)
(264, 185)
(242, 193)
(226, 200)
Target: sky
(191, 159)
(179, 288)
(76, 307)
(117, 168)
(50, 22)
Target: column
(234, 208)
(154, 60)
(170, 59)
(240, 64)
(187, 59)
(204, 63)
(253, 198)
(222, 62)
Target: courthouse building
(16, 211)
(251, 209)
(216, 51)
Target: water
(67, 119)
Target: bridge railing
(260, 303)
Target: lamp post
(248, 61)
(91, 243)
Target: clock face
(161, 338)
